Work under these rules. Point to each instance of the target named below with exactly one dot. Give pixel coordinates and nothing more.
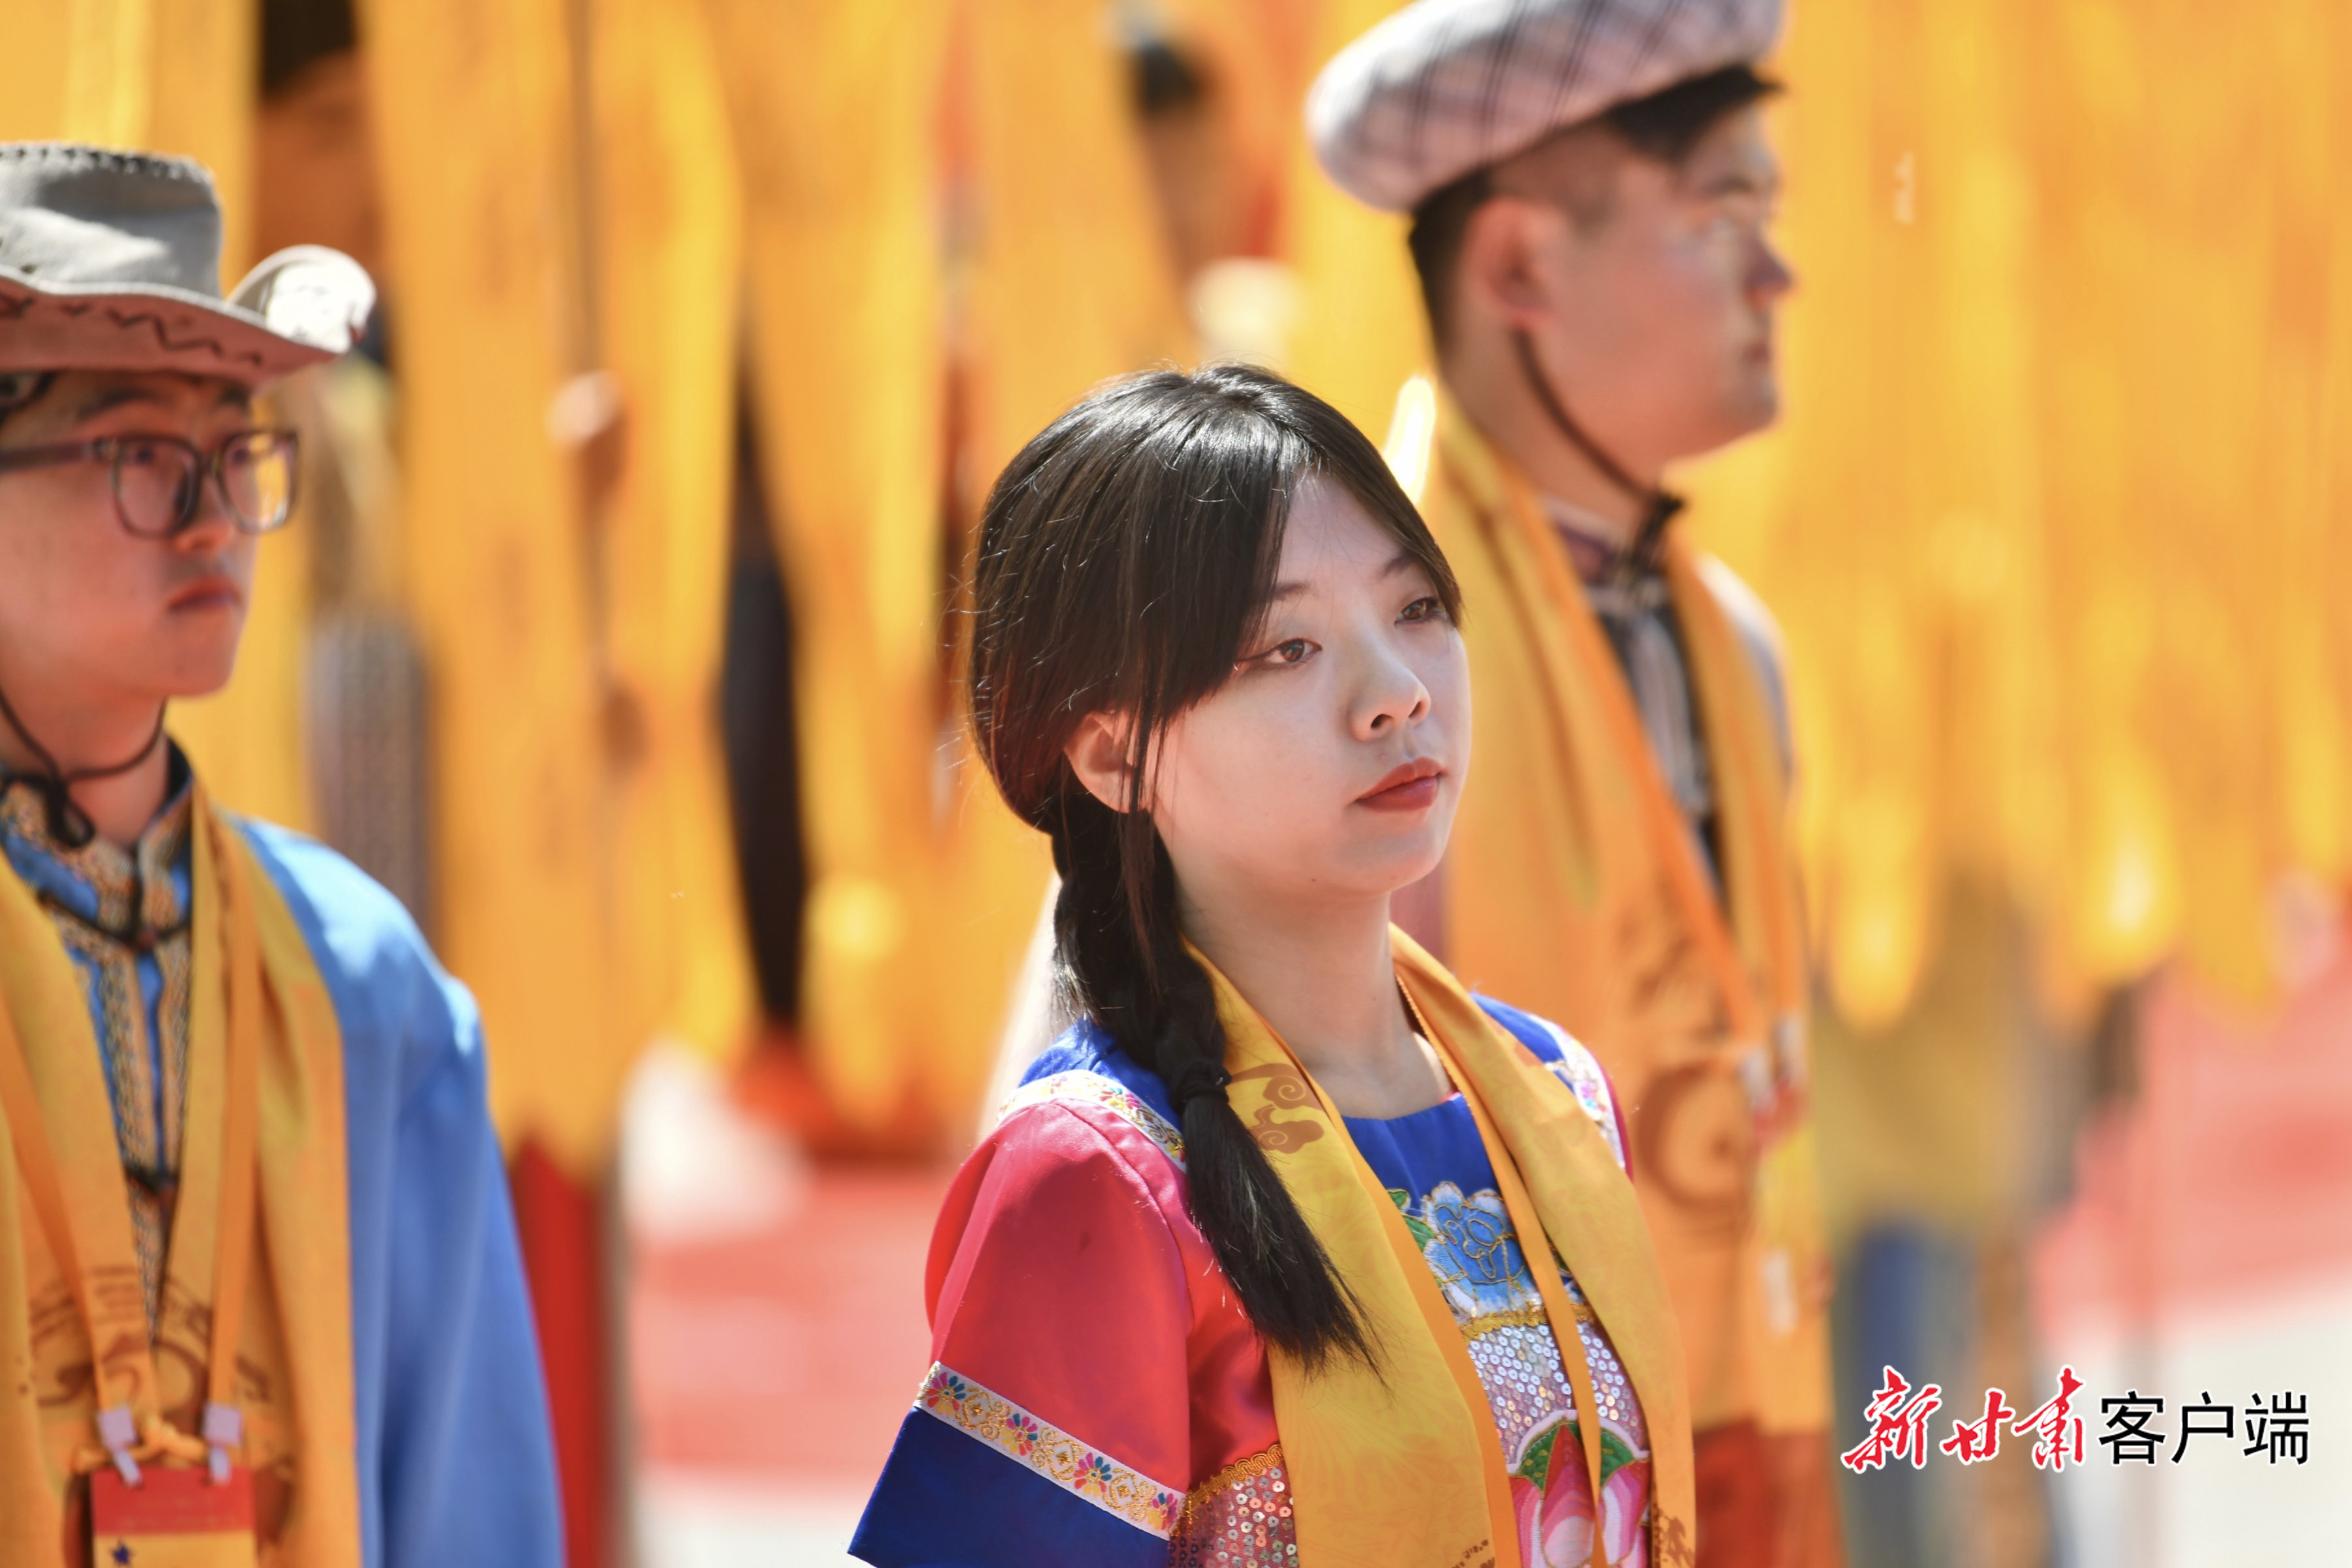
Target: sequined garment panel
(97, 897)
(1239, 1517)
(1442, 1180)
(1469, 1244)
(1519, 1366)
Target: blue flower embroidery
(1471, 1249)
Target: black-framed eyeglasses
(159, 480)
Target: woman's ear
(1100, 755)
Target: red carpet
(787, 1356)
(2228, 1181)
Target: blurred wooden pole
(844, 314)
(1067, 281)
(478, 131)
(666, 228)
(1049, 277)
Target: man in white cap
(1590, 190)
(260, 1300)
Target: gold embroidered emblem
(1284, 1088)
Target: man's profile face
(89, 612)
(1653, 286)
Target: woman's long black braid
(1157, 1003)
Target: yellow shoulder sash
(255, 980)
(1401, 1464)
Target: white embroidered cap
(1446, 86)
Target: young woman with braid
(1242, 1276)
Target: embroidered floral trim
(1578, 1069)
(1469, 1245)
(1081, 1087)
(991, 1418)
(1239, 1517)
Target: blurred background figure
(618, 633)
(1591, 195)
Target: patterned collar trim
(98, 881)
(1592, 549)
(1080, 1087)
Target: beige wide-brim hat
(110, 261)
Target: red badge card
(173, 1518)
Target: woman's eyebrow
(1402, 561)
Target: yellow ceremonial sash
(1574, 886)
(263, 1044)
(1401, 1464)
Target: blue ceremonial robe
(456, 1460)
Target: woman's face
(1328, 768)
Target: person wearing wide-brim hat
(260, 1297)
(1591, 192)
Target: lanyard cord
(240, 1137)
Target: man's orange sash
(290, 1375)
(1575, 888)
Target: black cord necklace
(1659, 507)
(70, 826)
(67, 822)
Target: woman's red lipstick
(1408, 786)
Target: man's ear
(1099, 754)
(1499, 274)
